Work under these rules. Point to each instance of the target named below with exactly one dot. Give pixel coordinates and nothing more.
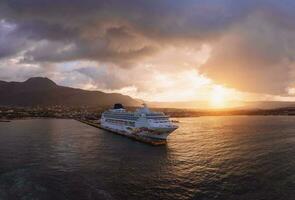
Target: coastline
(172, 116)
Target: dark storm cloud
(252, 41)
(9, 45)
(92, 24)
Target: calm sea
(238, 158)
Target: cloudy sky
(157, 50)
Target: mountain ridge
(41, 91)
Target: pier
(145, 140)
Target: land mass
(41, 97)
(39, 91)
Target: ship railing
(129, 120)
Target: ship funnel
(118, 106)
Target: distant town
(40, 97)
(92, 113)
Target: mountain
(44, 92)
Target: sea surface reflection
(206, 158)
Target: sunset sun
(218, 97)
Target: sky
(156, 50)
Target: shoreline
(175, 117)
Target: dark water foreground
(206, 158)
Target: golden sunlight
(218, 97)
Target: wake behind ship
(141, 123)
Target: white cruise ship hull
(153, 133)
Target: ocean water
(232, 158)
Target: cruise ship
(142, 123)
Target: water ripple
(206, 158)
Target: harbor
(150, 141)
(142, 125)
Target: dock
(145, 140)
